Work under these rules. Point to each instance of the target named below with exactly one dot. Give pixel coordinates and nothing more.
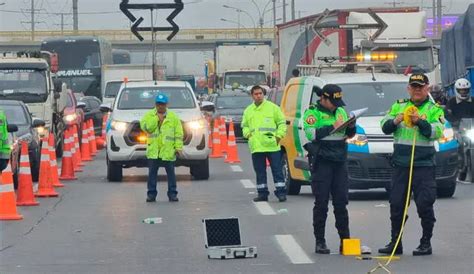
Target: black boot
(424, 248)
(260, 199)
(321, 247)
(389, 248)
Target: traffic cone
(45, 184)
(77, 158)
(232, 153)
(67, 166)
(223, 135)
(209, 140)
(92, 141)
(85, 146)
(25, 183)
(216, 141)
(53, 163)
(101, 141)
(7, 196)
(74, 151)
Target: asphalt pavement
(96, 227)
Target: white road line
(293, 250)
(236, 168)
(247, 183)
(264, 208)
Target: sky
(15, 14)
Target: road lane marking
(293, 250)
(264, 208)
(247, 183)
(236, 168)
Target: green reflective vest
(318, 123)
(429, 129)
(4, 145)
(164, 140)
(262, 125)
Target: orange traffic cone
(232, 153)
(25, 183)
(7, 196)
(74, 151)
(216, 141)
(223, 135)
(77, 158)
(101, 141)
(45, 184)
(67, 166)
(53, 163)
(92, 141)
(85, 146)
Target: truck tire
(114, 171)
(446, 192)
(293, 187)
(200, 171)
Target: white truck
(113, 76)
(242, 65)
(30, 80)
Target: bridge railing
(121, 35)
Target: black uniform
(455, 111)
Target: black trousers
(424, 190)
(330, 178)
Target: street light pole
(241, 10)
(274, 13)
(284, 11)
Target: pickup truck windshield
(15, 114)
(243, 79)
(27, 85)
(418, 59)
(112, 88)
(144, 97)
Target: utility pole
(32, 20)
(274, 13)
(62, 22)
(439, 19)
(75, 17)
(284, 11)
(435, 21)
(292, 9)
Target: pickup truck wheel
(200, 170)
(114, 171)
(293, 187)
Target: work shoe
(260, 199)
(322, 248)
(389, 248)
(281, 198)
(150, 199)
(423, 249)
(173, 199)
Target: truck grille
(355, 172)
(380, 173)
(445, 171)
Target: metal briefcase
(223, 240)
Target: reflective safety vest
(428, 130)
(262, 125)
(4, 145)
(332, 147)
(164, 140)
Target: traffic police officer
(328, 167)
(164, 142)
(4, 145)
(427, 123)
(264, 125)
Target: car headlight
(196, 125)
(70, 117)
(119, 125)
(448, 135)
(358, 140)
(470, 134)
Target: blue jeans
(260, 167)
(153, 166)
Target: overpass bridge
(185, 40)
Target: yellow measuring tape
(408, 112)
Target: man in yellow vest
(264, 125)
(4, 145)
(407, 117)
(164, 142)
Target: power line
(66, 13)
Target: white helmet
(463, 88)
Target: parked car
(18, 114)
(92, 111)
(74, 113)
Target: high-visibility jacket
(262, 125)
(429, 128)
(163, 140)
(4, 145)
(318, 123)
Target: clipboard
(354, 115)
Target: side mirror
(57, 95)
(57, 86)
(38, 123)
(208, 106)
(105, 108)
(81, 105)
(12, 128)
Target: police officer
(264, 125)
(462, 105)
(164, 142)
(4, 145)
(427, 123)
(329, 169)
